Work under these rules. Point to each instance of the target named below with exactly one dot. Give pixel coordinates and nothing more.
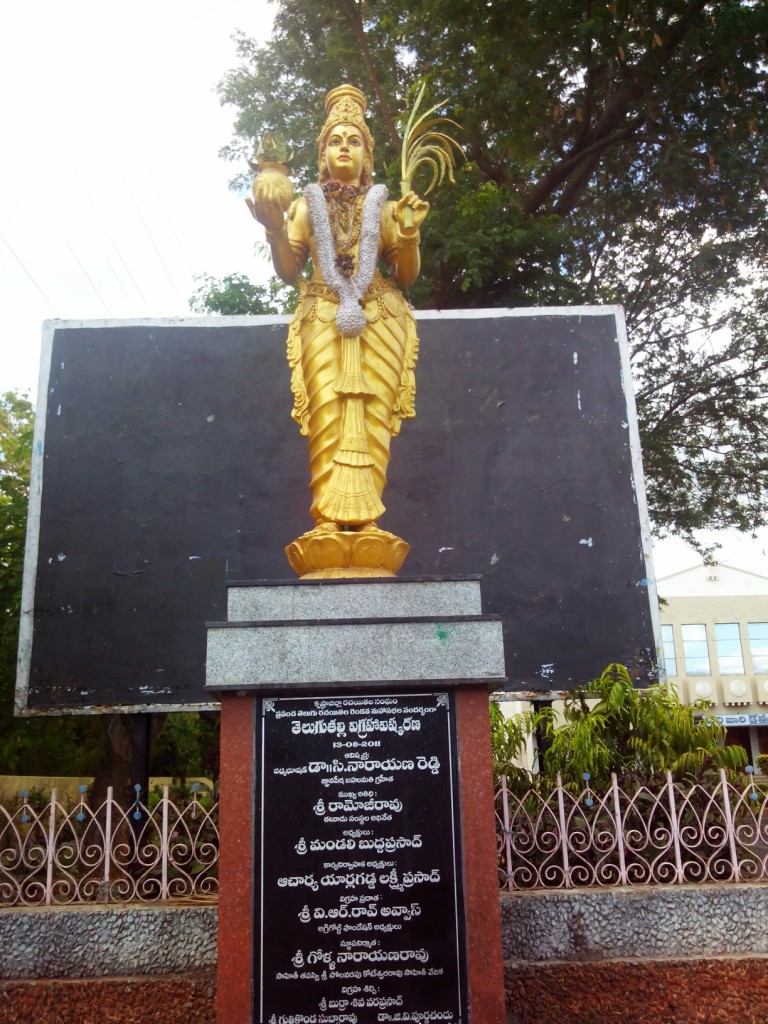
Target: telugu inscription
(360, 907)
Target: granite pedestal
(357, 853)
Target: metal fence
(661, 835)
(81, 854)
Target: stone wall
(142, 999)
(725, 991)
(674, 955)
(106, 941)
(655, 923)
(89, 965)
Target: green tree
(236, 294)
(16, 427)
(187, 744)
(510, 746)
(49, 746)
(609, 726)
(616, 154)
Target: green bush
(609, 726)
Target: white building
(714, 635)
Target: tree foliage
(187, 744)
(616, 154)
(16, 426)
(236, 294)
(610, 727)
(50, 746)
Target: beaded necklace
(345, 214)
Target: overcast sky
(112, 195)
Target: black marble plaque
(359, 914)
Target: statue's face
(345, 154)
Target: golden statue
(352, 343)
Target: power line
(76, 258)
(150, 236)
(172, 226)
(119, 253)
(31, 278)
(108, 261)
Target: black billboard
(166, 464)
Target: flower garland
(350, 316)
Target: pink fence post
(619, 828)
(107, 847)
(50, 852)
(563, 835)
(675, 828)
(507, 836)
(729, 825)
(164, 848)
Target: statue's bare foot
(370, 528)
(326, 526)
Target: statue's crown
(345, 104)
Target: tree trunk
(115, 767)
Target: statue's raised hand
(272, 192)
(268, 212)
(419, 209)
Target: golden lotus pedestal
(325, 553)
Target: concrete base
(319, 635)
(293, 634)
